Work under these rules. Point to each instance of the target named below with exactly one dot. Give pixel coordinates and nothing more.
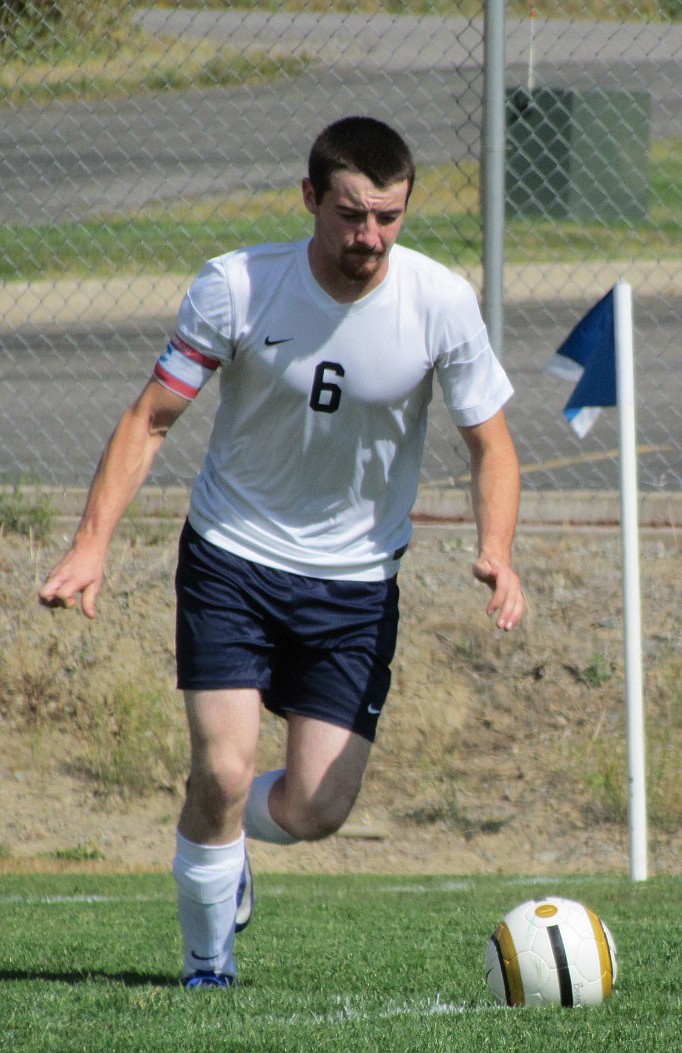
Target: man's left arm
(496, 491)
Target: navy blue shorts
(311, 646)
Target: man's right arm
(122, 469)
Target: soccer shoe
(205, 979)
(245, 897)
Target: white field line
(420, 890)
(464, 885)
(447, 885)
(49, 900)
(347, 1012)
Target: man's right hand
(77, 572)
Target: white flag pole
(625, 393)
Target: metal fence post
(492, 172)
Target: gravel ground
(496, 752)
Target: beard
(359, 265)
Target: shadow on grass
(127, 979)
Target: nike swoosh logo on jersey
(374, 711)
(273, 343)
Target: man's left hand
(507, 601)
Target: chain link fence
(136, 142)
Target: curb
(136, 299)
(434, 504)
(554, 507)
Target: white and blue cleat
(207, 979)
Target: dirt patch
(496, 753)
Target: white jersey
(315, 455)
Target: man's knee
(219, 789)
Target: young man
(286, 581)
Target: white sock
(207, 877)
(258, 821)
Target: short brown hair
(360, 144)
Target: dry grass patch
(494, 748)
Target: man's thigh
(325, 765)
(223, 727)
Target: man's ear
(309, 195)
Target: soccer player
(326, 351)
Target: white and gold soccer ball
(551, 951)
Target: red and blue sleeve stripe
(184, 369)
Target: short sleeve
(202, 341)
(205, 319)
(474, 384)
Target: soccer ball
(551, 951)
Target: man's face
(356, 225)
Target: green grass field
(90, 963)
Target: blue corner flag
(588, 356)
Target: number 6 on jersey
(326, 396)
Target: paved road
(60, 410)
(68, 164)
(71, 161)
